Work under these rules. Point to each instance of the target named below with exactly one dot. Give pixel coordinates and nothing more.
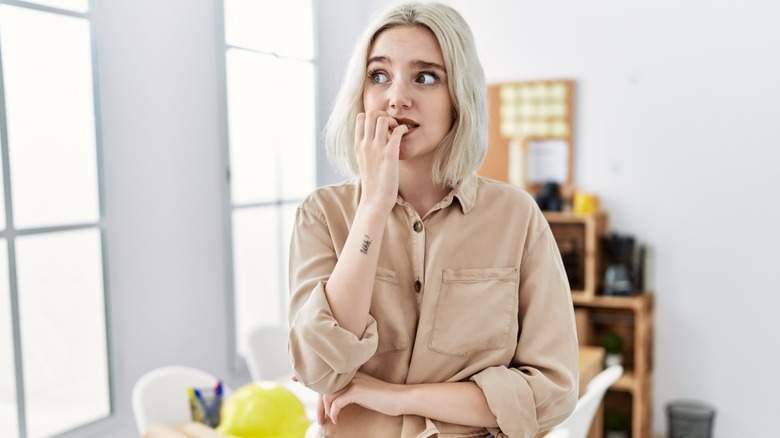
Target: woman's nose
(399, 96)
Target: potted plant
(613, 346)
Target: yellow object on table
(585, 203)
(263, 410)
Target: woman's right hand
(377, 145)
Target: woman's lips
(410, 124)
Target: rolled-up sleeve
(539, 389)
(324, 355)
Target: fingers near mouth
(391, 130)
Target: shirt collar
(465, 191)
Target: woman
(426, 301)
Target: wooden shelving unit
(579, 241)
(634, 315)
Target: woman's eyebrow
(419, 63)
(380, 59)
(427, 65)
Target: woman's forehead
(401, 43)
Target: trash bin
(690, 419)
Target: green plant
(613, 343)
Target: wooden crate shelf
(579, 239)
(636, 381)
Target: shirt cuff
(328, 352)
(510, 399)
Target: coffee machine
(623, 272)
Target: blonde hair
(463, 149)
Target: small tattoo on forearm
(366, 244)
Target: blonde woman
(426, 300)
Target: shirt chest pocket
(387, 310)
(475, 310)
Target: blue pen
(200, 398)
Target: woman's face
(405, 77)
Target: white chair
(268, 360)
(266, 354)
(160, 395)
(578, 423)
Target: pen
(193, 404)
(200, 399)
(218, 388)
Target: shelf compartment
(579, 239)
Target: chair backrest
(160, 395)
(578, 423)
(266, 351)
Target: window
(270, 98)
(54, 369)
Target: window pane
(297, 137)
(70, 5)
(9, 426)
(50, 112)
(62, 318)
(257, 269)
(267, 132)
(272, 26)
(252, 99)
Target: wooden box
(579, 239)
(633, 319)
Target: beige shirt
(474, 290)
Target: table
(190, 429)
(591, 362)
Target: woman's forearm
(351, 284)
(455, 402)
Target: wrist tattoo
(366, 244)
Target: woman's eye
(427, 78)
(378, 77)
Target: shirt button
(418, 226)
(417, 285)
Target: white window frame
(10, 233)
(229, 207)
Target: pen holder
(206, 404)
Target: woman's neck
(418, 189)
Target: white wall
(338, 24)
(159, 102)
(677, 120)
(678, 133)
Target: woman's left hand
(366, 391)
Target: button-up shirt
(473, 290)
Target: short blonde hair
(463, 149)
